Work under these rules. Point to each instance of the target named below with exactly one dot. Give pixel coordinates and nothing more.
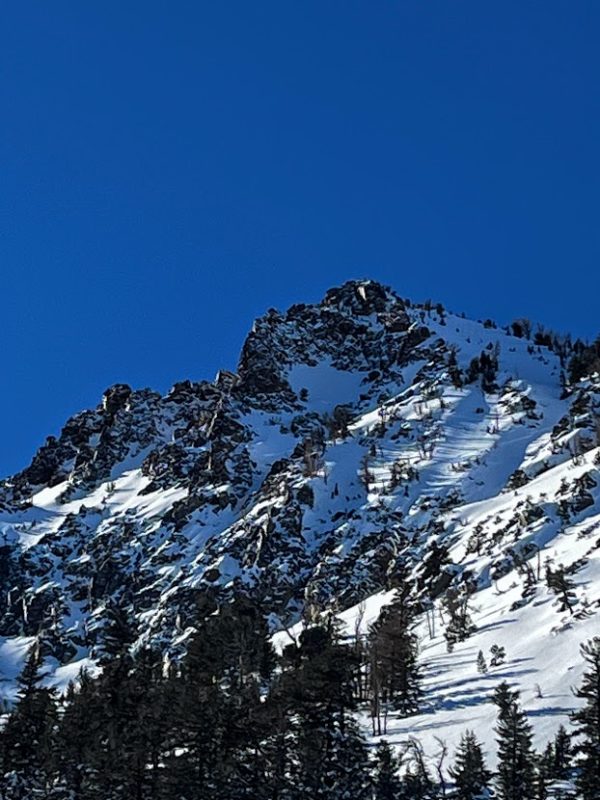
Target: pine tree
(216, 716)
(386, 780)
(498, 655)
(28, 736)
(587, 724)
(395, 673)
(328, 755)
(78, 735)
(277, 747)
(561, 584)
(541, 778)
(504, 697)
(116, 737)
(481, 663)
(219, 725)
(469, 772)
(515, 776)
(561, 754)
(460, 625)
(454, 370)
(347, 773)
(118, 634)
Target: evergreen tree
(118, 634)
(219, 725)
(515, 776)
(460, 625)
(561, 754)
(76, 734)
(584, 361)
(561, 584)
(481, 663)
(329, 758)
(387, 784)
(541, 779)
(504, 697)
(216, 718)
(28, 736)
(586, 722)
(469, 773)
(498, 655)
(109, 725)
(394, 646)
(454, 370)
(348, 773)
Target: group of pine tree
(234, 720)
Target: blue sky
(172, 169)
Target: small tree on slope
(456, 605)
(394, 648)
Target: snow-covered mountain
(363, 441)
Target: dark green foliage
(456, 605)
(498, 655)
(454, 371)
(521, 328)
(469, 773)
(28, 737)
(233, 721)
(585, 360)
(486, 368)
(515, 779)
(387, 784)
(542, 775)
(119, 633)
(561, 755)
(481, 663)
(395, 673)
(559, 582)
(219, 722)
(586, 722)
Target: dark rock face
(358, 326)
(362, 298)
(116, 398)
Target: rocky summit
(364, 442)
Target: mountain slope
(362, 442)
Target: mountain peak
(364, 442)
(355, 327)
(362, 298)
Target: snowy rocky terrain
(363, 441)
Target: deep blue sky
(169, 170)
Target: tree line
(234, 720)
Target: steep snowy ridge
(362, 440)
